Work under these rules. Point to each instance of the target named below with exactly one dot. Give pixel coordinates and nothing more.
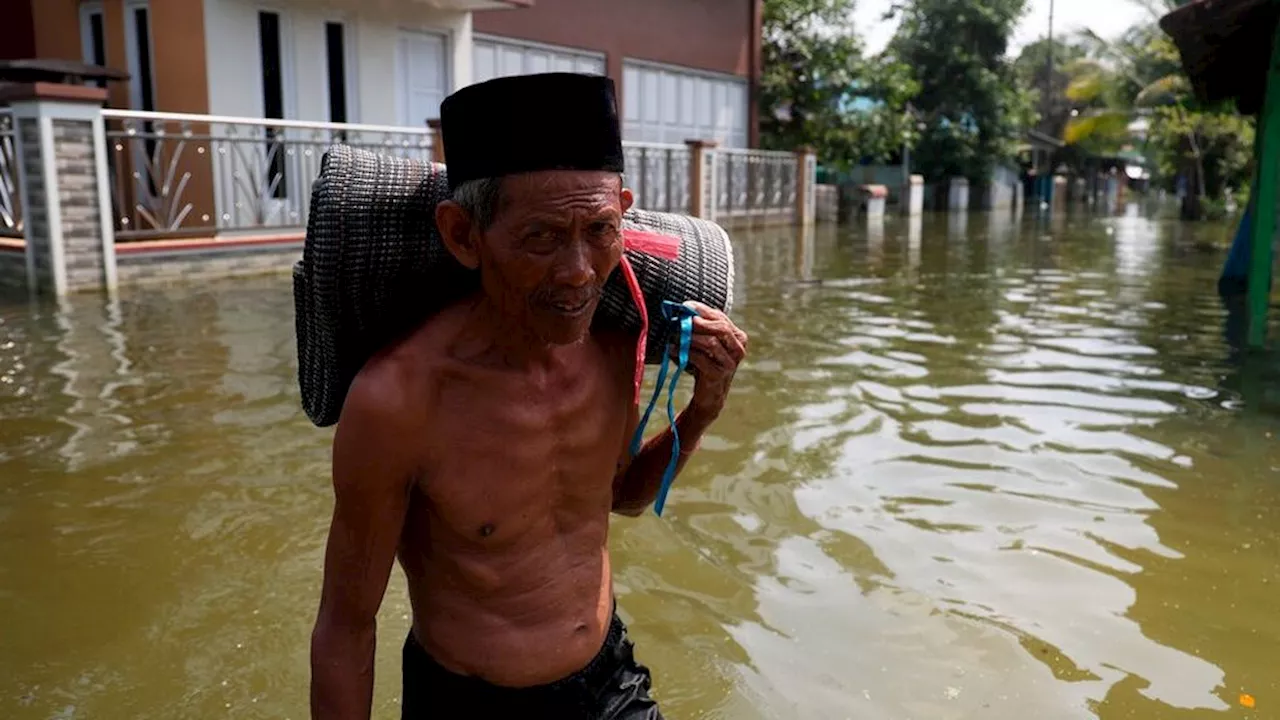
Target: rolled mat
(374, 268)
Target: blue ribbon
(682, 316)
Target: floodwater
(974, 468)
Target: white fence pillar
(958, 197)
(913, 197)
(62, 158)
(702, 179)
(806, 185)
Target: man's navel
(486, 530)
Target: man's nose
(574, 268)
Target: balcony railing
(10, 191)
(754, 182)
(175, 175)
(658, 174)
(179, 175)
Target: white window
(340, 72)
(272, 63)
(137, 41)
(423, 76)
(276, 68)
(93, 37)
(499, 57)
(669, 104)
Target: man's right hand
(372, 474)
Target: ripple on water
(1012, 484)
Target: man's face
(554, 241)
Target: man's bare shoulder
(396, 386)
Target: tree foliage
(1140, 74)
(818, 88)
(1214, 150)
(973, 109)
(1051, 99)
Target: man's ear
(627, 198)
(454, 225)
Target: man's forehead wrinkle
(565, 213)
(545, 197)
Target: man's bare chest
(509, 454)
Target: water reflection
(1001, 472)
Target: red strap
(637, 296)
(666, 247)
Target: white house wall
(499, 57)
(665, 103)
(235, 74)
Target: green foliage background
(947, 88)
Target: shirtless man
(487, 450)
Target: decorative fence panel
(658, 174)
(10, 190)
(754, 183)
(175, 175)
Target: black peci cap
(527, 123)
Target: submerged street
(975, 467)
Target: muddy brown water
(974, 468)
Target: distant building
(684, 68)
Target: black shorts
(613, 686)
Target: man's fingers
(713, 349)
(712, 326)
(704, 366)
(733, 339)
(704, 310)
(697, 343)
(710, 349)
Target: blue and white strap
(683, 316)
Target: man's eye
(541, 241)
(603, 229)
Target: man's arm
(371, 481)
(637, 485)
(717, 348)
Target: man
(488, 448)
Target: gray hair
(482, 198)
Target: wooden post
(702, 190)
(437, 141)
(806, 175)
(1264, 220)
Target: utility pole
(906, 154)
(1047, 179)
(1050, 45)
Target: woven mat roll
(374, 268)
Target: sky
(1107, 18)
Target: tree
(818, 89)
(1140, 74)
(973, 108)
(1050, 99)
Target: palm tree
(1124, 79)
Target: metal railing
(175, 175)
(754, 182)
(10, 191)
(658, 175)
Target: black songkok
(526, 123)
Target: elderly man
(487, 449)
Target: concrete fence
(92, 198)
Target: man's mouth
(570, 307)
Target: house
(684, 68)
